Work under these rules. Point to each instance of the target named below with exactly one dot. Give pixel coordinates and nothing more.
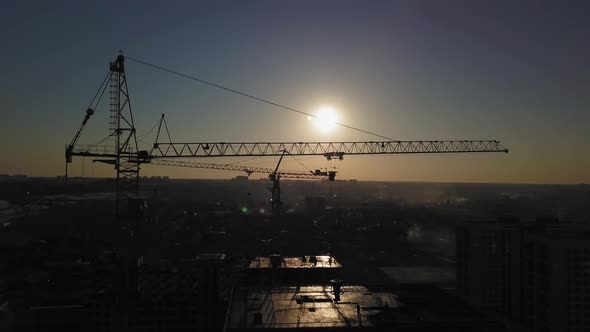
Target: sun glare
(326, 119)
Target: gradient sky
(518, 73)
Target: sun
(327, 119)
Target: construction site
(294, 165)
(293, 249)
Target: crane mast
(127, 159)
(275, 200)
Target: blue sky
(404, 69)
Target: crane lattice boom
(247, 169)
(330, 150)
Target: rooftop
(303, 262)
(314, 306)
(359, 307)
(218, 258)
(420, 274)
(561, 232)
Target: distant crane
(127, 158)
(275, 200)
(291, 174)
(274, 175)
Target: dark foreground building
(556, 283)
(337, 307)
(294, 293)
(537, 276)
(489, 266)
(182, 296)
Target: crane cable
(241, 161)
(140, 137)
(101, 90)
(300, 163)
(243, 94)
(92, 146)
(150, 131)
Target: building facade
(537, 276)
(489, 266)
(556, 281)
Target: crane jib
(330, 150)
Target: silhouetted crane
(127, 158)
(274, 175)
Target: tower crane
(125, 153)
(127, 158)
(275, 200)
